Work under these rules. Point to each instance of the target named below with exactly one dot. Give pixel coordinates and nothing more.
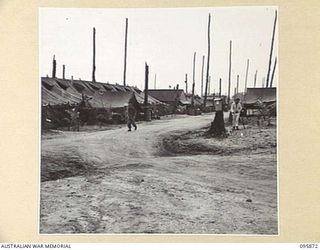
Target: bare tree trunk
(94, 56)
(237, 84)
(229, 83)
(208, 62)
(194, 77)
(63, 71)
(202, 76)
(125, 54)
(271, 50)
(255, 79)
(146, 84)
(245, 87)
(54, 67)
(273, 71)
(186, 82)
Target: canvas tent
(169, 96)
(265, 95)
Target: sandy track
(122, 186)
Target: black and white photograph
(159, 120)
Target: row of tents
(98, 102)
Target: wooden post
(155, 81)
(94, 56)
(125, 54)
(63, 71)
(273, 71)
(271, 49)
(235, 92)
(255, 79)
(146, 84)
(202, 68)
(229, 83)
(220, 87)
(209, 90)
(186, 82)
(193, 78)
(208, 62)
(54, 67)
(237, 84)
(245, 87)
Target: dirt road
(121, 182)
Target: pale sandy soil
(146, 182)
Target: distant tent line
(56, 91)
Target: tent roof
(265, 94)
(166, 95)
(56, 91)
(111, 99)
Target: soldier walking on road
(131, 116)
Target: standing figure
(235, 110)
(131, 116)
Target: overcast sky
(164, 38)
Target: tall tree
(125, 54)
(63, 71)
(94, 56)
(54, 66)
(237, 84)
(273, 71)
(246, 81)
(186, 82)
(229, 82)
(255, 79)
(193, 78)
(271, 49)
(202, 68)
(208, 62)
(146, 84)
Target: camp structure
(96, 102)
(176, 99)
(256, 98)
(197, 100)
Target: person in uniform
(236, 108)
(131, 116)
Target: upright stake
(245, 88)
(208, 62)
(63, 71)
(186, 82)
(271, 50)
(146, 84)
(54, 67)
(229, 83)
(94, 56)
(209, 90)
(255, 79)
(237, 84)
(193, 78)
(125, 54)
(155, 81)
(235, 92)
(220, 87)
(202, 76)
(274, 69)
